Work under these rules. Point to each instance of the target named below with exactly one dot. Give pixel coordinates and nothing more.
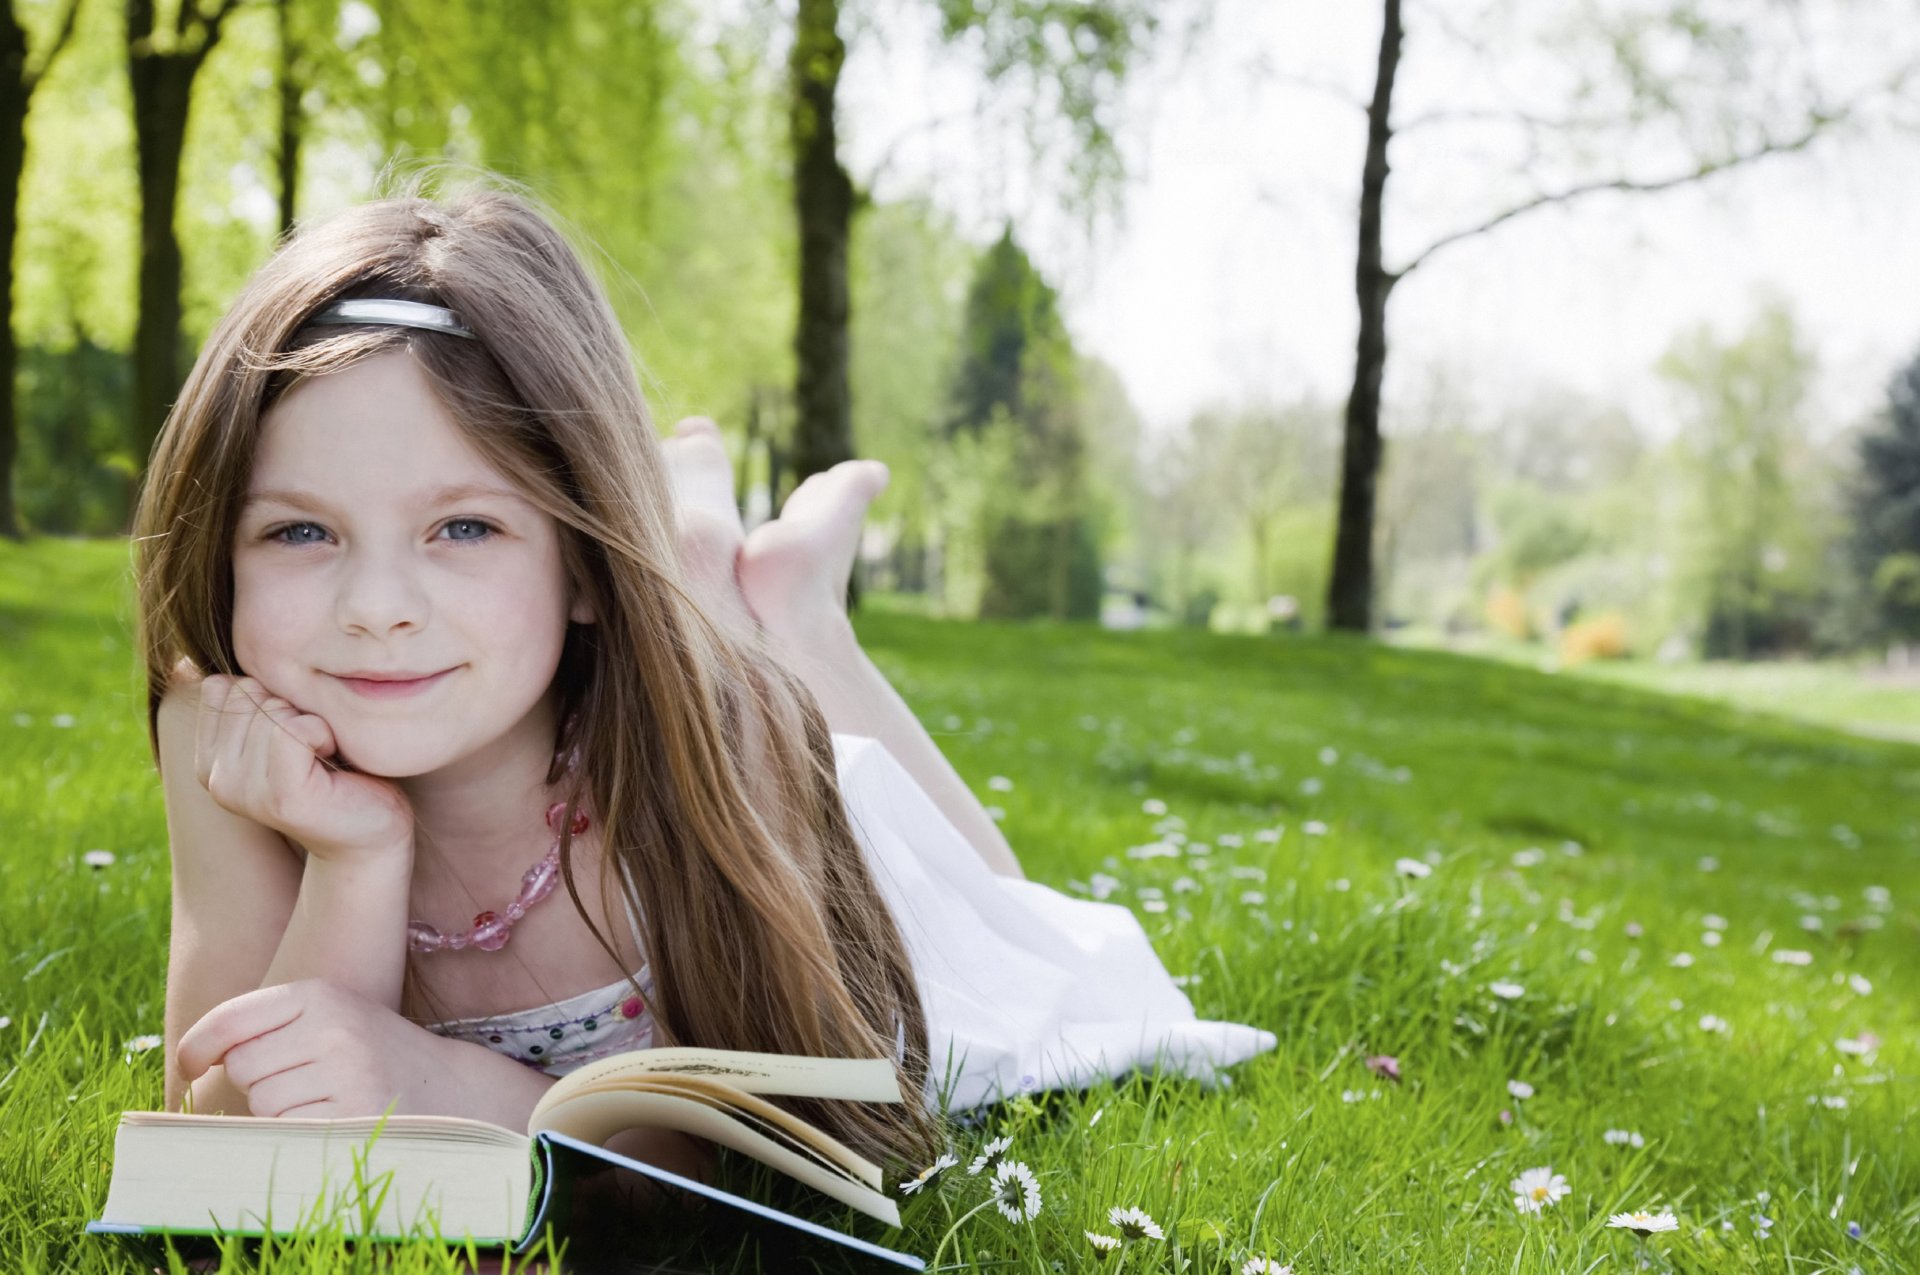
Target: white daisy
(1507, 991)
(1860, 984)
(1016, 1193)
(1680, 960)
(1790, 956)
(141, 1044)
(1411, 868)
(1713, 921)
(1000, 783)
(98, 858)
(989, 1156)
(1710, 938)
(1715, 1023)
(1102, 1244)
(1642, 1222)
(1264, 1266)
(1314, 828)
(1531, 857)
(1520, 1089)
(1623, 1138)
(1535, 1189)
(1134, 1224)
(1153, 806)
(946, 1161)
(1858, 1046)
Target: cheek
(268, 622)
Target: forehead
(374, 429)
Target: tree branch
(32, 75)
(209, 24)
(1623, 185)
(1324, 88)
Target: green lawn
(1582, 839)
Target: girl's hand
(262, 758)
(313, 1048)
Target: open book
(190, 1174)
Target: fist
(263, 759)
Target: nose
(380, 593)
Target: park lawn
(1248, 799)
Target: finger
(252, 1061)
(300, 1085)
(206, 738)
(233, 1021)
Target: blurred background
(1583, 335)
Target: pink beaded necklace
(491, 929)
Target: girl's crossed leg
(789, 578)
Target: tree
(20, 75)
(1886, 507)
(1745, 433)
(1079, 50)
(1017, 375)
(1684, 70)
(162, 61)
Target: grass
(1581, 836)
(1857, 695)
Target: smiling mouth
(376, 688)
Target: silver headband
(394, 313)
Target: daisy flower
(1134, 1224)
(98, 858)
(1507, 991)
(1535, 1189)
(141, 1044)
(1016, 1193)
(1264, 1266)
(1102, 1244)
(1643, 1223)
(1792, 956)
(989, 1156)
(1000, 783)
(946, 1161)
(1714, 1023)
(1623, 1138)
(1520, 1089)
(1412, 868)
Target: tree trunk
(823, 203)
(14, 95)
(287, 157)
(1350, 591)
(162, 87)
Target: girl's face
(376, 543)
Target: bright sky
(1231, 274)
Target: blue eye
(482, 530)
(280, 533)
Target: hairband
(394, 313)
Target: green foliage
(1886, 507)
(1016, 387)
(1752, 559)
(73, 472)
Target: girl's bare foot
(793, 571)
(707, 522)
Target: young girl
(432, 622)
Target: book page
(810, 1141)
(855, 1079)
(252, 1175)
(595, 1117)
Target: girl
(433, 622)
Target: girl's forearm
(349, 926)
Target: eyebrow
(431, 499)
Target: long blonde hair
(709, 767)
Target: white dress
(1024, 987)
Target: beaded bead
(491, 929)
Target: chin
(388, 758)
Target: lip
(374, 685)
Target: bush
(1604, 637)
